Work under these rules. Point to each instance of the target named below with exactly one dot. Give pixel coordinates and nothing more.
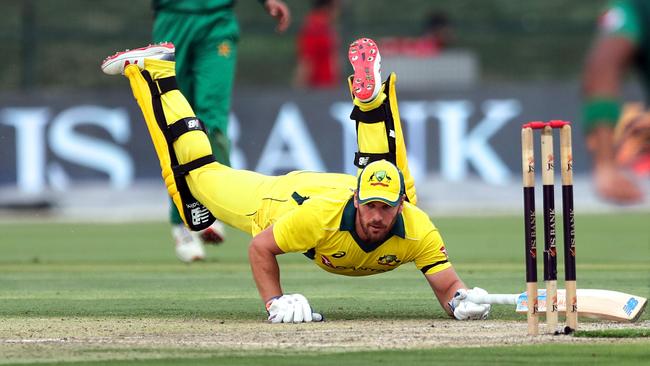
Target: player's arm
(604, 71)
(609, 58)
(606, 65)
(264, 265)
(433, 262)
(452, 295)
(293, 232)
(280, 11)
(445, 284)
(282, 308)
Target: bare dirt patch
(34, 339)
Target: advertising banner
(51, 141)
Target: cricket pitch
(70, 339)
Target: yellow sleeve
(432, 257)
(298, 230)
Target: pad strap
(363, 159)
(372, 116)
(184, 169)
(184, 125)
(178, 128)
(164, 85)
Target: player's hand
(280, 11)
(291, 309)
(613, 184)
(466, 310)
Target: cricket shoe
(366, 62)
(115, 65)
(189, 247)
(213, 234)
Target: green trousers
(206, 55)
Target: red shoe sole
(363, 53)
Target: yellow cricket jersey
(323, 227)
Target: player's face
(375, 219)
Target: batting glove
(464, 309)
(291, 309)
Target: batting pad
(156, 93)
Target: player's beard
(375, 231)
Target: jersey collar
(347, 224)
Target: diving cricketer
(348, 225)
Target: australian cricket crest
(444, 251)
(378, 177)
(389, 260)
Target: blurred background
(50, 47)
(469, 74)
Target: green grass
(54, 270)
(614, 333)
(627, 354)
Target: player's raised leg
(182, 145)
(379, 130)
(153, 83)
(188, 244)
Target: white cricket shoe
(189, 247)
(114, 65)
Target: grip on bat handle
(502, 299)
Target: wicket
(530, 229)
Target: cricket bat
(592, 303)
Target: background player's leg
(205, 63)
(212, 73)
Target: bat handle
(503, 299)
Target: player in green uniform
(618, 149)
(347, 225)
(205, 34)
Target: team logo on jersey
(389, 260)
(224, 49)
(326, 261)
(379, 177)
(444, 251)
(340, 254)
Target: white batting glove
(291, 309)
(466, 310)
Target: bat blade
(592, 303)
